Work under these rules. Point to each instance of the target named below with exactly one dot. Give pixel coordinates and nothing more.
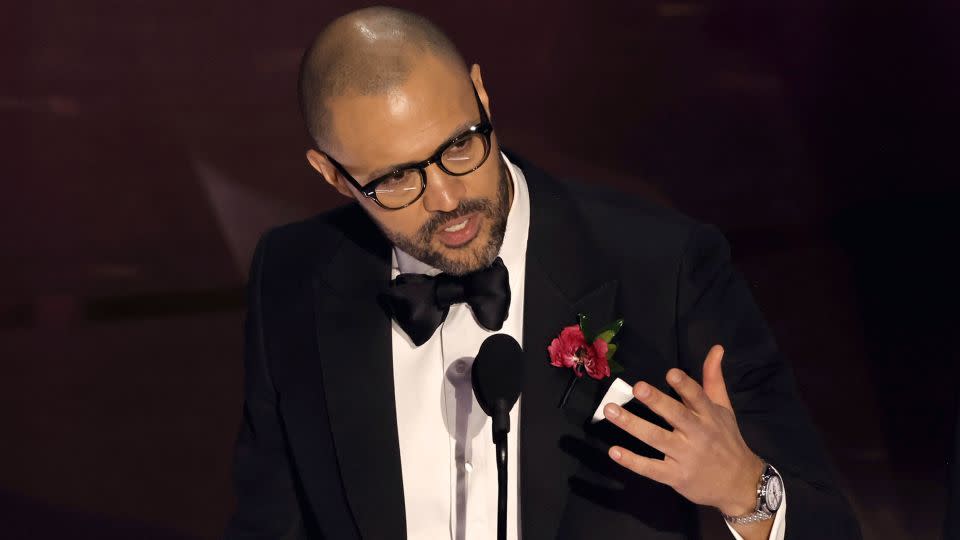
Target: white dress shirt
(446, 449)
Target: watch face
(774, 493)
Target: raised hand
(705, 457)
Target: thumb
(713, 383)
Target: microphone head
(497, 373)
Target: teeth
(457, 227)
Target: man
(362, 323)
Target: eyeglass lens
(459, 158)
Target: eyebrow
(459, 130)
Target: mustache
(470, 206)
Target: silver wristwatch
(769, 496)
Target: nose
(444, 192)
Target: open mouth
(460, 231)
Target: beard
(477, 256)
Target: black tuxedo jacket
(317, 454)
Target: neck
(506, 171)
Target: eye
(460, 145)
(395, 177)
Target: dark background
(146, 144)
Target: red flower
(596, 363)
(563, 349)
(570, 349)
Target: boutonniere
(584, 351)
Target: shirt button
(468, 466)
(460, 367)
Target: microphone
(497, 377)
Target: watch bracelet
(757, 515)
(754, 517)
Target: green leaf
(610, 330)
(583, 320)
(615, 367)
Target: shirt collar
(514, 245)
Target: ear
(481, 91)
(329, 173)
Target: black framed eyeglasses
(459, 156)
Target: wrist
(742, 498)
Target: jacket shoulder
(293, 248)
(629, 226)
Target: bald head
(363, 53)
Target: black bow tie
(419, 303)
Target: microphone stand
(501, 426)
(502, 489)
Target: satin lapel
(355, 348)
(564, 276)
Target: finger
(654, 469)
(713, 383)
(690, 391)
(675, 413)
(647, 432)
